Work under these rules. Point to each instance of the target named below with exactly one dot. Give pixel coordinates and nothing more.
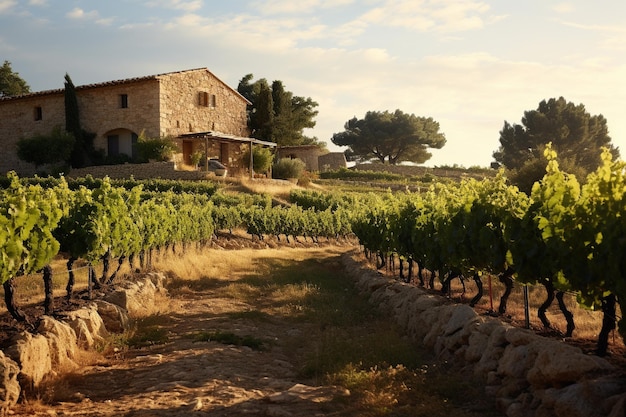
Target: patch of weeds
(228, 338)
(113, 343)
(148, 336)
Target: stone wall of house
(18, 119)
(198, 101)
(164, 105)
(101, 109)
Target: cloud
(37, 2)
(6, 5)
(185, 5)
(440, 15)
(563, 8)
(78, 14)
(272, 7)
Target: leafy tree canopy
(575, 135)
(277, 115)
(11, 84)
(392, 137)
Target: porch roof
(225, 137)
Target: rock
(32, 354)
(436, 319)
(9, 386)
(456, 332)
(62, 341)
(494, 348)
(477, 343)
(517, 337)
(558, 364)
(115, 318)
(516, 360)
(134, 297)
(584, 399)
(87, 325)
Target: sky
(471, 65)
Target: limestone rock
(62, 341)
(115, 318)
(32, 354)
(87, 325)
(582, 399)
(558, 364)
(9, 385)
(134, 296)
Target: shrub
(262, 159)
(286, 168)
(158, 149)
(54, 148)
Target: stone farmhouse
(195, 107)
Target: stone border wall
(526, 374)
(151, 170)
(32, 357)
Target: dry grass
(275, 188)
(344, 341)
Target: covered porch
(227, 149)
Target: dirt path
(184, 377)
(265, 294)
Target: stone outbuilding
(309, 154)
(194, 107)
(332, 161)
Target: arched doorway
(121, 142)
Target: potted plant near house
(196, 157)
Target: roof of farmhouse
(118, 82)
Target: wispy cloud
(78, 13)
(563, 8)
(37, 2)
(275, 7)
(439, 15)
(185, 5)
(6, 5)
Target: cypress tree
(72, 124)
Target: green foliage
(286, 168)
(11, 84)
(354, 174)
(262, 158)
(54, 148)
(83, 153)
(159, 149)
(576, 136)
(276, 114)
(28, 214)
(392, 137)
